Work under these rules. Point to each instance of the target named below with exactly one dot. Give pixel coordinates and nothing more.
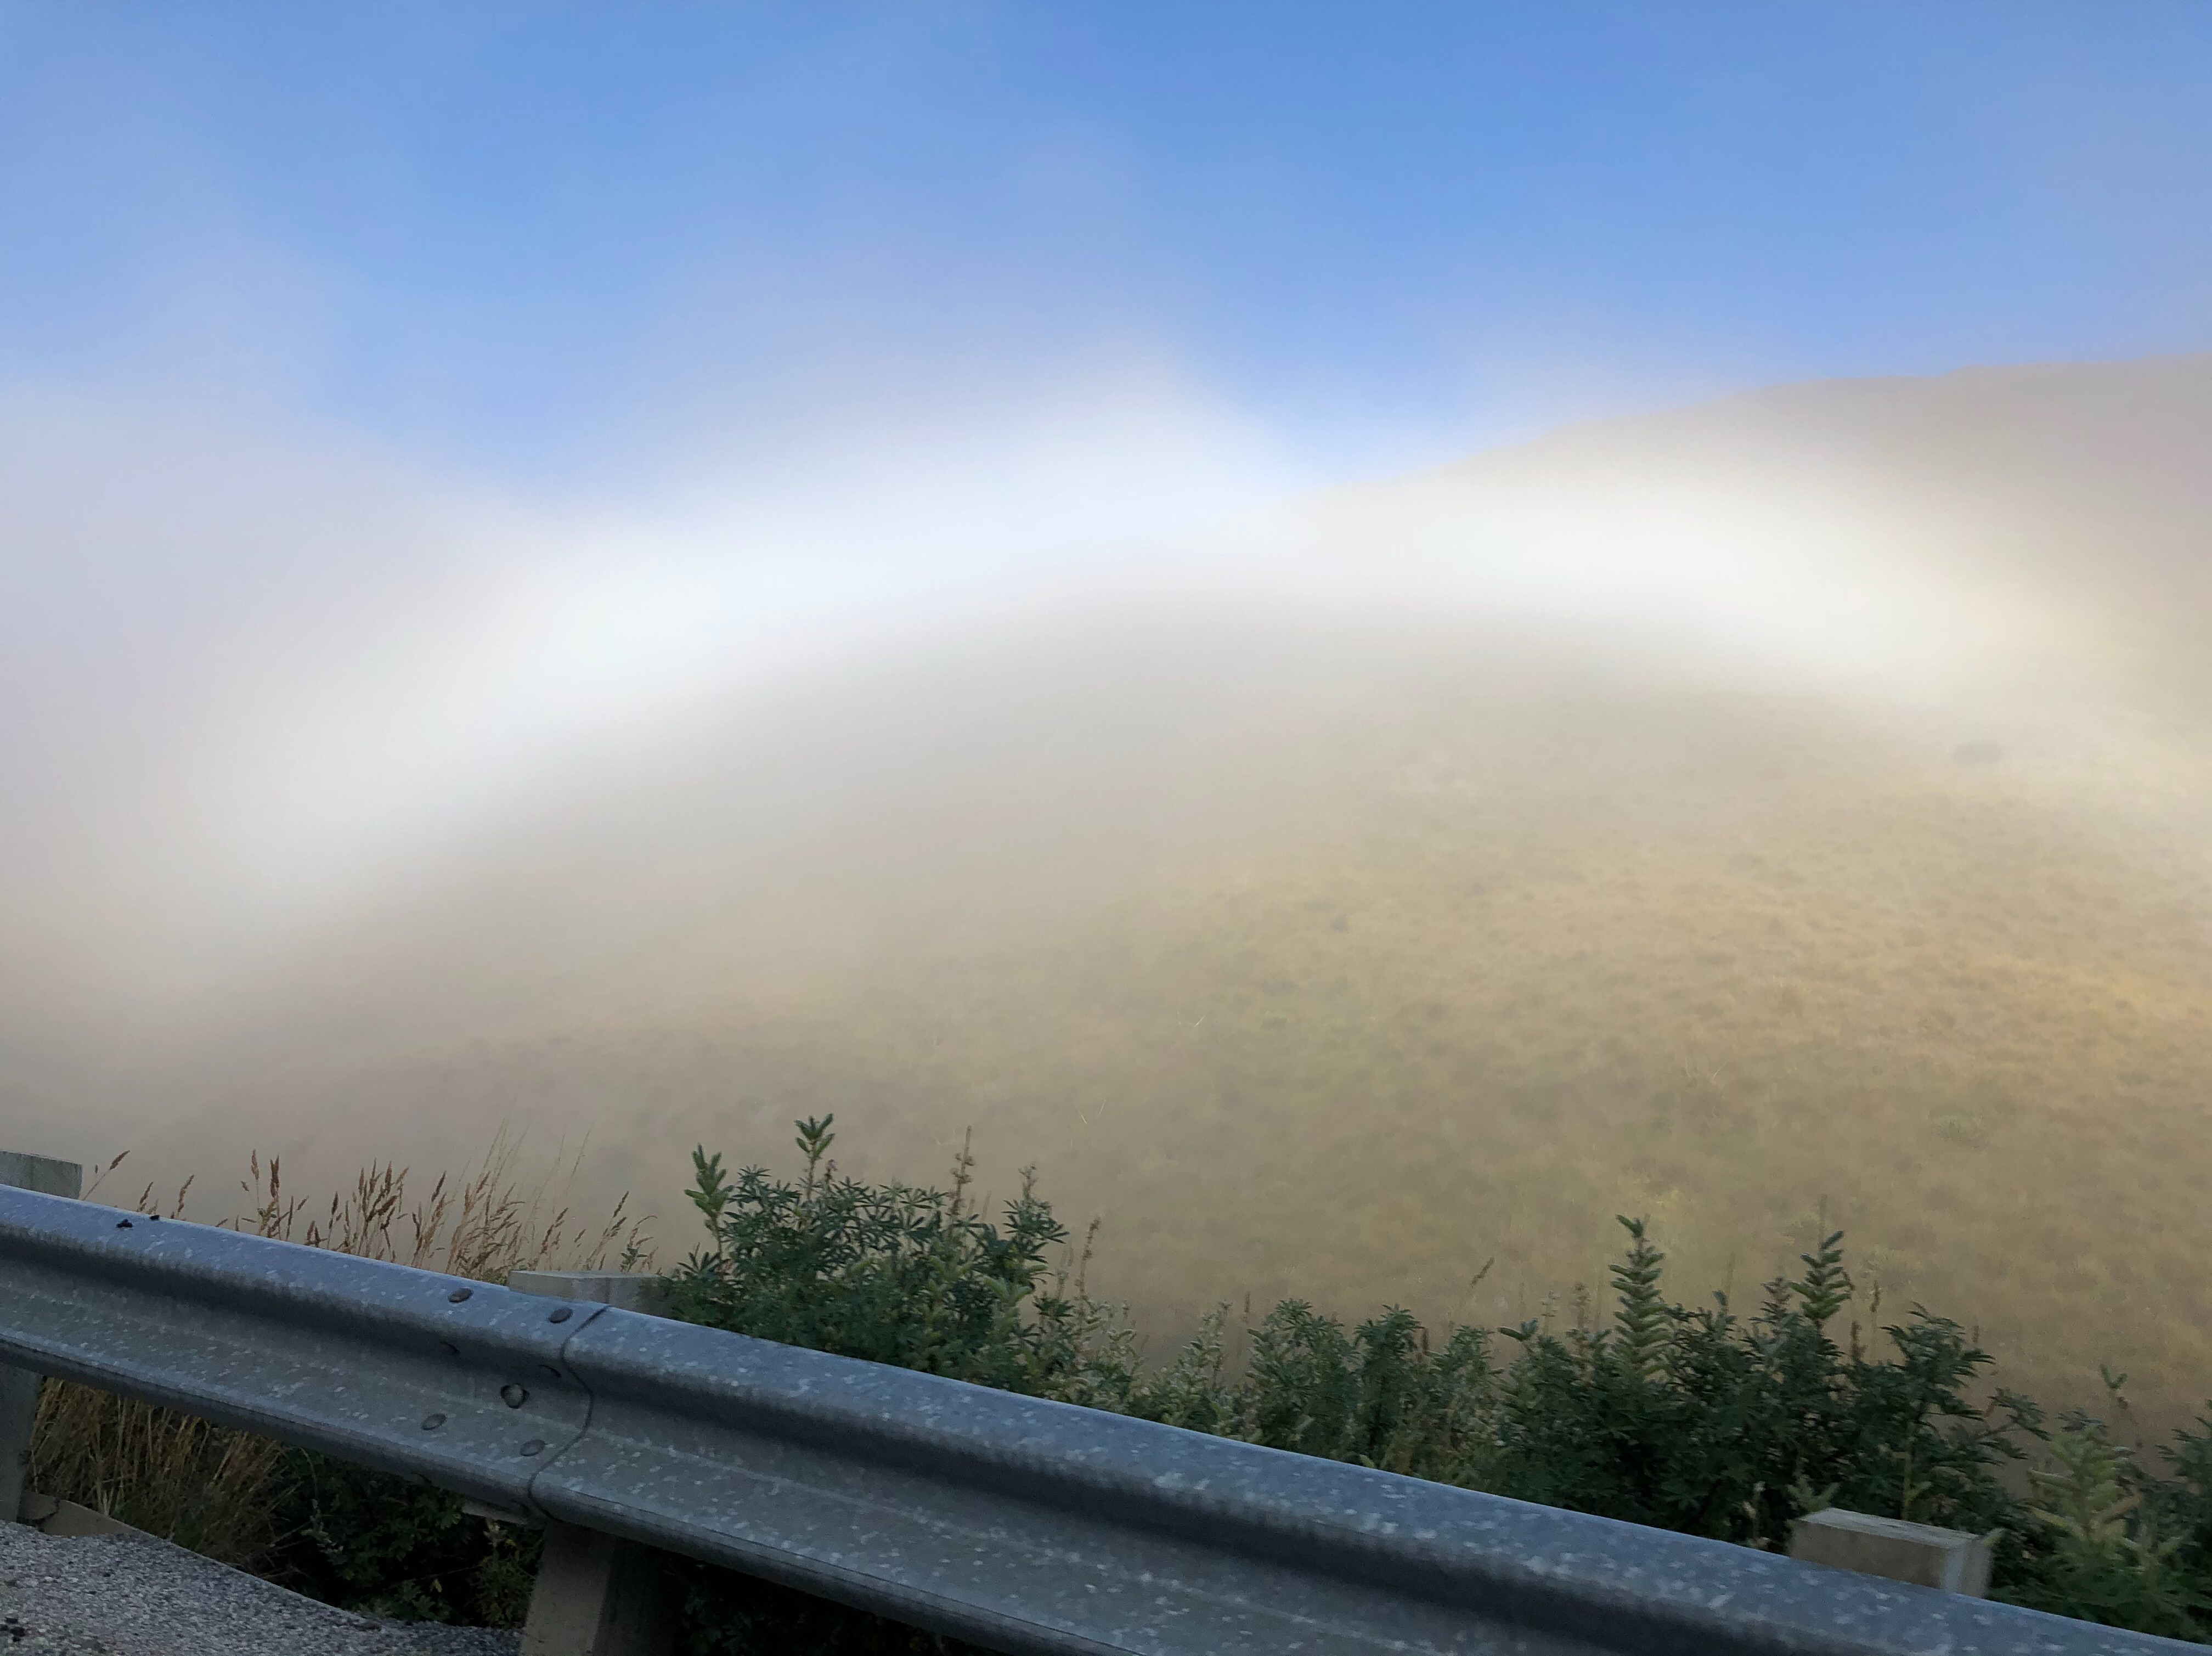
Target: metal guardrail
(1024, 1526)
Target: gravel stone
(129, 1595)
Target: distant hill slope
(1332, 951)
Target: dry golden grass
(207, 1487)
(1333, 964)
(1719, 961)
(481, 1225)
(1718, 984)
(202, 1486)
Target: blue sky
(546, 242)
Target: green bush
(1705, 1421)
(892, 1274)
(387, 1546)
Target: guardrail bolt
(513, 1395)
(432, 1423)
(460, 1294)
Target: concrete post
(620, 1289)
(597, 1595)
(19, 1387)
(1954, 1560)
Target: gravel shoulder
(134, 1596)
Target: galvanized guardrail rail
(1024, 1526)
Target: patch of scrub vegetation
(1718, 1420)
(338, 1533)
(1714, 1421)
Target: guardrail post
(597, 1595)
(1957, 1561)
(19, 1387)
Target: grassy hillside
(1334, 955)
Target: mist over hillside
(1787, 807)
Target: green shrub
(387, 1546)
(1703, 1421)
(892, 1274)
